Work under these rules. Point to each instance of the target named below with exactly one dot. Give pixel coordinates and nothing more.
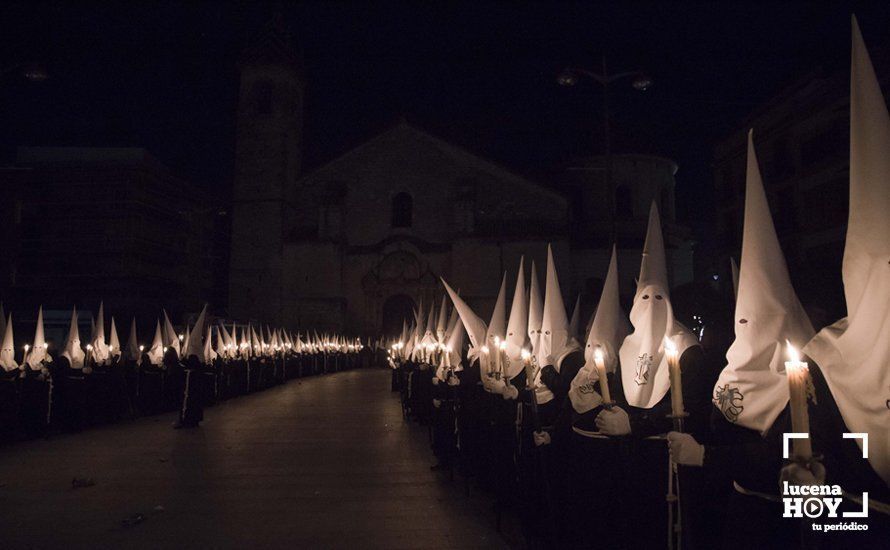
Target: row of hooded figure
(101, 381)
(634, 436)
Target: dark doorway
(397, 309)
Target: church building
(359, 242)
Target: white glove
(453, 381)
(685, 449)
(510, 392)
(798, 474)
(495, 388)
(541, 438)
(613, 421)
(435, 380)
(437, 403)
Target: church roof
(408, 131)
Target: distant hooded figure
(191, 412)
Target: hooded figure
(854, 353)
(171, 339)
(442, 323)
(476, 328)
(535, 312)
(7, 351)
(607, 332)
(209, 354)
(156, 351)
(555, 344)
(644, 369)
(72, 350)
(99, 353)
(497, 329)
(575, 321)
(38, 354)
(767, 313)
(517, 326)
(133, 352)
(194, 343)
(114, 344)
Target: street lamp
(641, 82)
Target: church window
(624, 206)
(262, 97)
(402, 210)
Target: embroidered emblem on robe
(729, 400)
(644, 363)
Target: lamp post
(641, 82)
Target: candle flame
(598, 353)
(793, 354)
(503, 346)
(526, 355)
(669, 347)
(484, 349)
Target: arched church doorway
(397, 309)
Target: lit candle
(601, 373)
(673, 359)
(798, 373)
(497, 355)
(502, 353)
(484, 359)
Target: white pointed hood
(7, 349)
(156, 351)
(476, 328)
(133, 352)
(535, 311)
(455, 342)
(209, 354)
(517, 326)
(610, 326)
(429, 333)
(607, 332)
(854, 352)
(194, 341)
(556, 341)
(752, 389)
(114, 343)
(99, 352)
(224, 342)
(38, 353)
(171, 339)
(442, 322)
(644, 370)
(575, 321)
(497, 327)
(72, 349)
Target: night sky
(482, 74)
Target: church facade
(356, 244)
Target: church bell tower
(267, 164)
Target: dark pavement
(322, 462)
